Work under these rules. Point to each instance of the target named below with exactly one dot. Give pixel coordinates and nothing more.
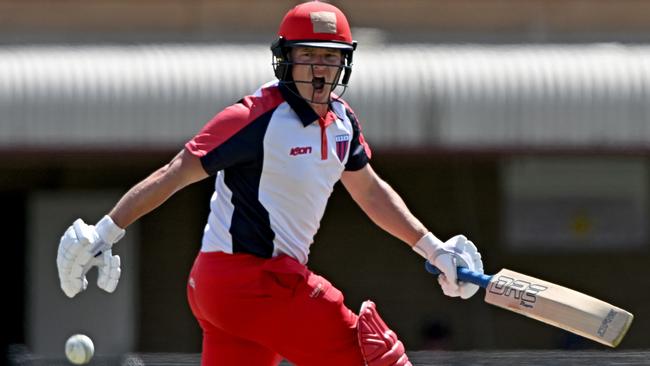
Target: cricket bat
(550, 303)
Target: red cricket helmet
(316, 24)
(313, 24)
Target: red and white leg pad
(379, 344)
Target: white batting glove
(455, 252)
(83, 246)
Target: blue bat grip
(464, 275)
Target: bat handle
(464, 275)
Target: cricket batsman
(275, 156)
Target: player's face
(314, 71)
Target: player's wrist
(108, 231)
(429, 246)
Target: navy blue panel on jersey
(357, 157)
(245, 146)
(242, 158)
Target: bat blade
(552, 304)
(559, 306)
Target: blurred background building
(523, 124)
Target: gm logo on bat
(524, 291)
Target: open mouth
(318, 83)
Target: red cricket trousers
(256, 311)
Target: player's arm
(183, 170)
(83, 246)
(383, 205)
(387, 209)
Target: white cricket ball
(79, 349)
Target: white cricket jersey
(276, 162)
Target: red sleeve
(232, 120)
(222, 127)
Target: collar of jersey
(304, 111)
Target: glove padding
(463, 254)
(82, 247)
(455, 252)
(109, 271)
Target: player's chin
(320, 95)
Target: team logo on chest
(342, 142)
